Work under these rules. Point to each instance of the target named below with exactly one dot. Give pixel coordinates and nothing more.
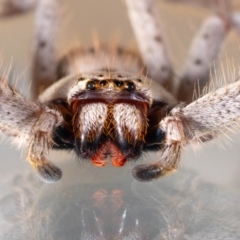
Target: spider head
(109, 117)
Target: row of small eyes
(126, 85)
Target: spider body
(108, 103)
(107, 114)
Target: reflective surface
(181, 206)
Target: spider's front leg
(202, 120)
(44, 54)
(30, 124)
(151, 41)
(203, 52)
(44, 46)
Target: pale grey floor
(177, 206)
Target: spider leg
(151, 41)
(199, 121)
(44, 52)
(203, 52)
(44, 46)
(13, 7)
(30, 124)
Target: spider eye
(118, 83)
(130, 86)
(91, 85)
(103, 83)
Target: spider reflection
(180, 206)
(104, 213)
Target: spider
(110, 103)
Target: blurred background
(207, 184)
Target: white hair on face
(92, 118)
(130, 120)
